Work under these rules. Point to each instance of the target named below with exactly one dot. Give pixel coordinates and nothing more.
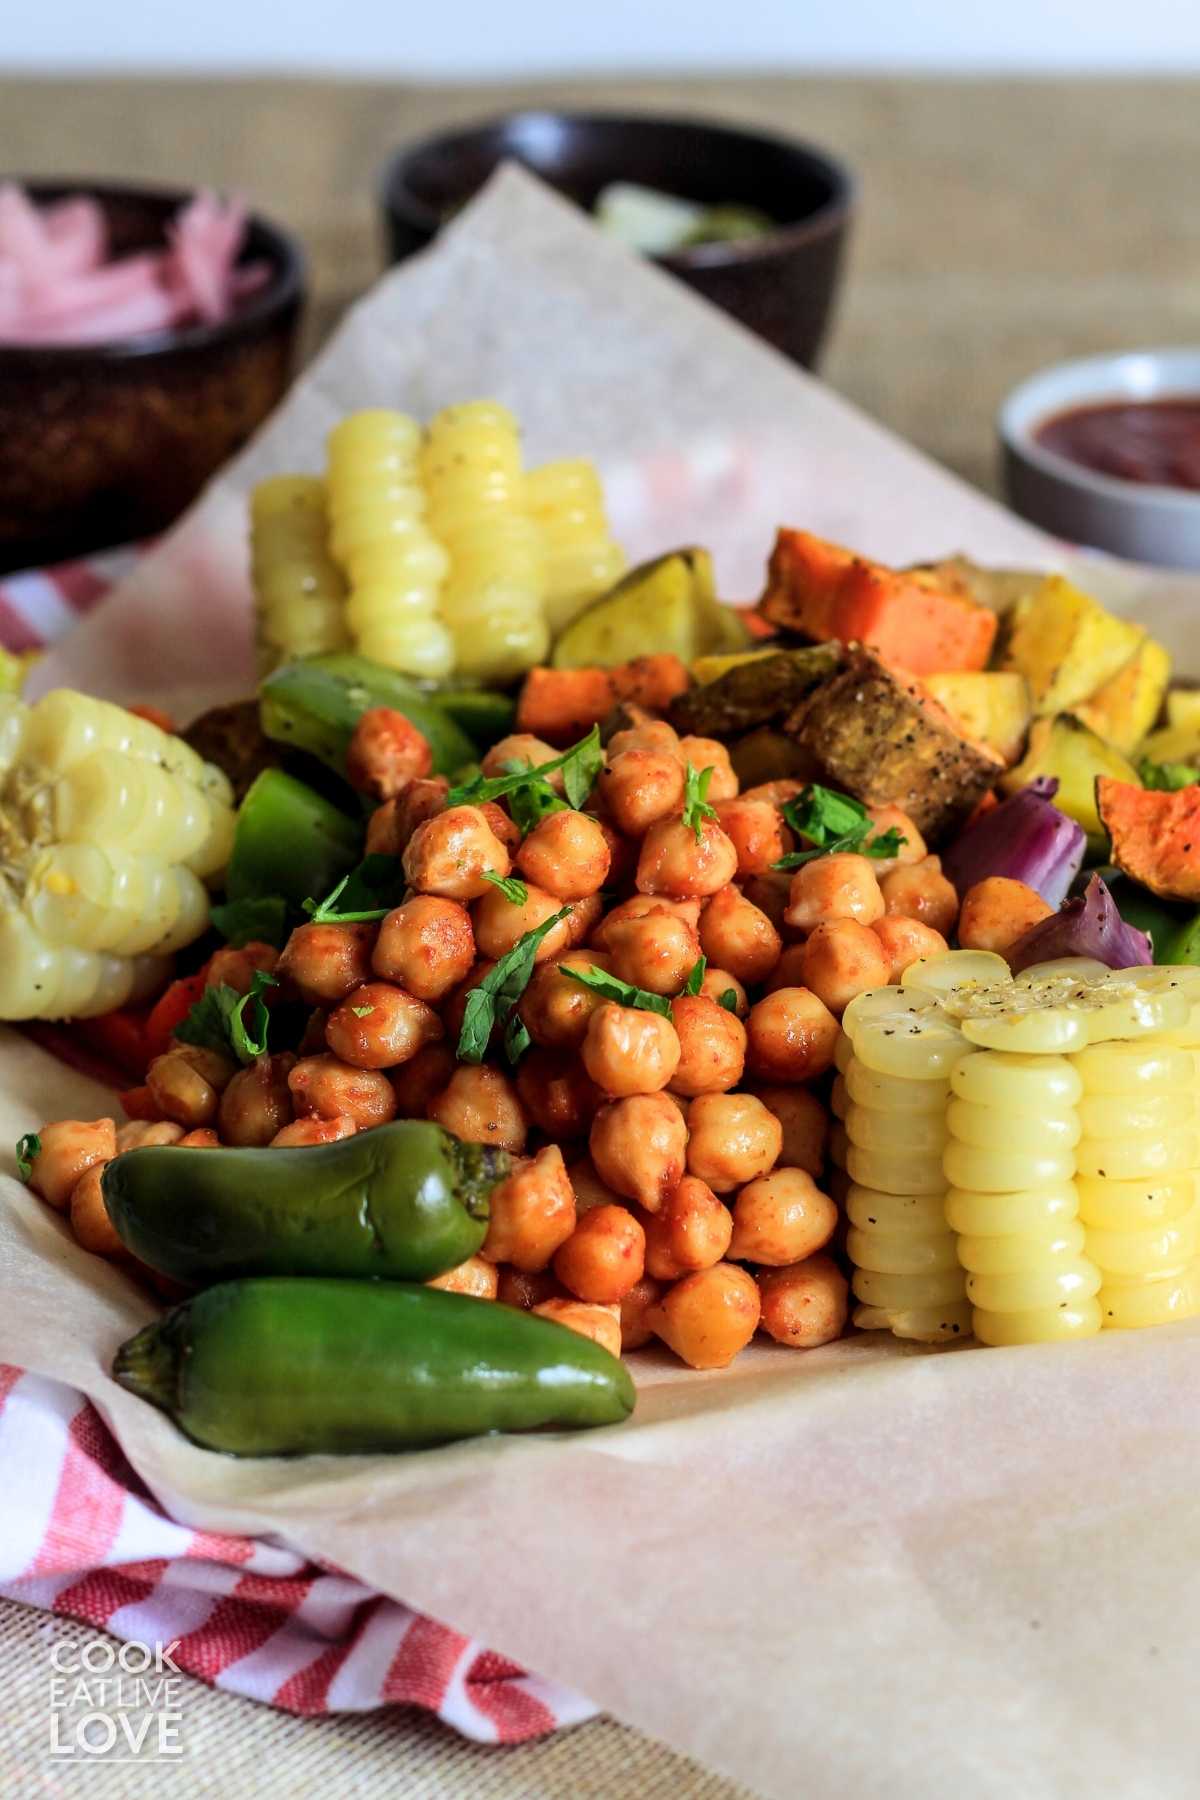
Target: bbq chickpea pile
(667, 1181)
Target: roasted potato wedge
(1124, 709)
(1065, 748)
(668, 604)
(1065, 645)
(991, 705)
(883, 738)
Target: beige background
(1003, 225)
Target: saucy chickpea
(791, 1035)
(68, 1149)
(474, 1277)
(692, 1231)
(523, 1289)
(781, 1218)
(532, 1213)
(604, 1255)
(203, 1138)
(237, 968)
(180, 1090)
(639, 906)
(589, 1189)
(756, 832)
(258, 1101)
(385, 753)
(709, 1316)
(140, 1134)
(841, 960)
(718, 984)
(426, 946)
(769, 893)
(90, 1223)
(636, 1307)
(708, 753)
(378, 1026)
(503, 825)
(906, 941)
(841, 886)
(920, 891)
(566, 854)
(628, 1051)
(788, 971)
(739, 936)
(324, 962)
(639, 1147)
(657, 951)
(453, 853)
(415, 1082)
(996, 912)
(806, 1304)
(499, 922)
(732, 1138)
(677, 863)
(558, 1094)
(647, 734)
(481, 1106)
(805, 1125)
(554, 1009)
(391, 825)
(712, 1046)
(322, 1087)
(639, 787)
(302, 1133)
(600, 1323)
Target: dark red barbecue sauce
(1153, 441)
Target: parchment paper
(864, 1570)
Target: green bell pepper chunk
(314, 705)
(289, 841)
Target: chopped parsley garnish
(579, 765)
(494, 1002)
(696, 808)
(27, 1148)
(729, 1000)
(1168, 777)
(623, 993)
(834, 824)
(695, 980)
(228, 1022)
(359, 896)
(512, 889)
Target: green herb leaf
(263, 920)
(695, 799)
(580, 765)
(695, 980)
(729, 1000)
(250, 1020)
(1167, 778)
(530, 805)
(835, 824)
(516, 1038)
(362, 1012)
(27, 1148)
(512, 889)
(621, 992)
(495, 999)
(218, 1020)
(364, 895)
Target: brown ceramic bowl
(782, 285)
(106, 443)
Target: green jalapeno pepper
(406, 1201)
(290, 841)
(287, 1367)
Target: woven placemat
(234, 1748)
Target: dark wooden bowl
(782, 286)
(103, 444)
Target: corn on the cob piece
(494, 595)
(298, 587)
(583, 560)
(379, 535)
(109, 828)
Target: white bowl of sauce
(1106, 451)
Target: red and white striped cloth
(83, 1538)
